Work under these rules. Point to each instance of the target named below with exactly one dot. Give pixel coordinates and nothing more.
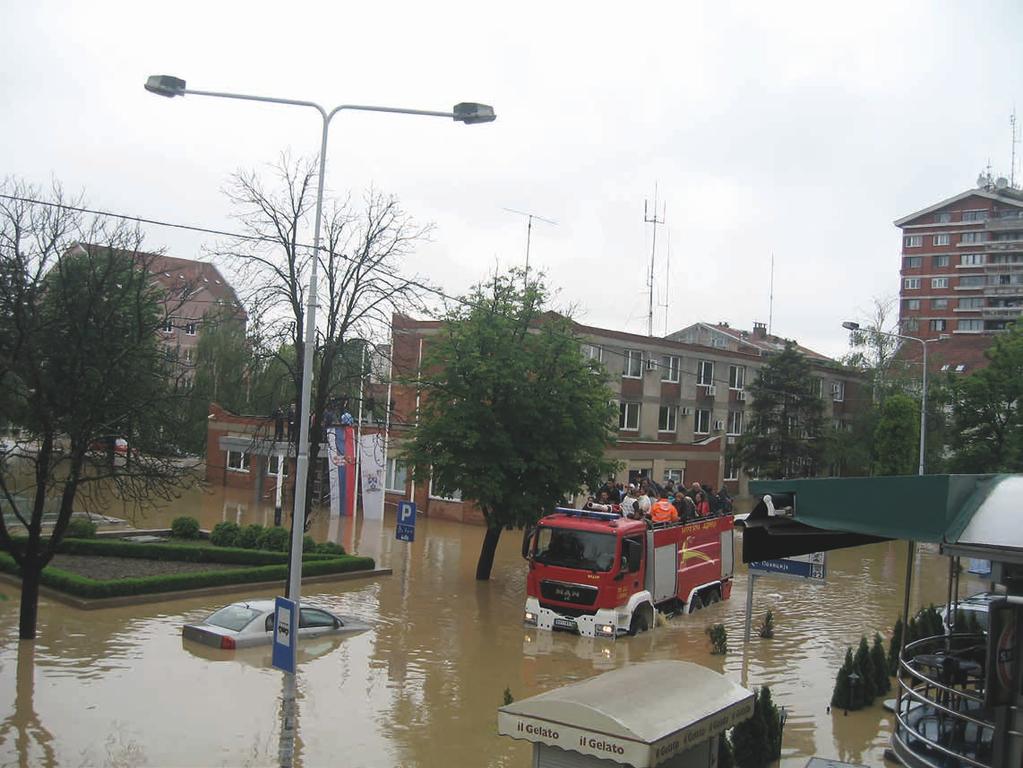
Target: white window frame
(392, 472)
(940, 239)
(971, 325)
(938, 325)
(971, 260)
(944, 217)
(667, 419)
(593, 352)
(633, 358)
(971, 302)
(457, 497)
(271, 465)
(912, 262)
(912, 304)
(734, 423)
(671, 365)
(168, 326)
(242, 464)
(731, 467)
(911, 283)
(838, 391)
(624, 409)
(975, 215)
(191, 329)
(911, 324)
(737, 377)
(972, 281)
(939, 282)
(973, 238)
(675, 476)
(701, 415)
(939, 303)
(913, 241)
(703, 378)
(942, 260)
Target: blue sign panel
(809, 567)
(285, 634)
(405, 530)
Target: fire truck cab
(602, 575)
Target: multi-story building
(683, 401)
(962, 266)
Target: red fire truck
(602, 575)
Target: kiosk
(657, 713)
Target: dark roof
(1007, 195)
(955, 354)
(766, 343)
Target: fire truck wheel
(640, 621)
(696, 603)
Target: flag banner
(371, 467)
(341, 458)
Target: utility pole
(1015, 141)
(529, 232)
(648, 219)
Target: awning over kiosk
(641, 715)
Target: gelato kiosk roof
(641, 715)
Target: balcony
(940, 716)
(1003, 290)
(1001, 224)
(1005, 245)
(998, 313)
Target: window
(941, 239)
(190, 329)
(974, 302)
(701, 424)
(912, 262)
(911, 283)
(734, 423)
(817, 386)
(593, 352)
(941, 261)
(674, 475)
(633, 364)
(238, 461)
(943, 218)
(271, 466)
(968, 238)
(670, 367)
(731, 467)
(913, 241)
(666, 418)
(838, 391)
(736, 376)
(456, 495)
(912, 324)
(939, 303)
(312, 617)
(396, 477)
(168, 326)
(971, 281)
(938, 325)
(939, 282)
(971, 259)
(628, 417)
(913, 304)
(970, 325)
(975, 215)
(705, 373)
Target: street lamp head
(849, 325)
(469, 112)
(165, 85)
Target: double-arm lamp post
(467, 112)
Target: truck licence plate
(561, 623)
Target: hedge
(82, 586)
(187, 553)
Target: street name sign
(810, 567)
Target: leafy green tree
(987, 432)
(785, 438)
(80, 363)
(513, 415)
(897, 437)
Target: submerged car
(250, 623)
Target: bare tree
(80, 363)
(871, 348)
(362, 247)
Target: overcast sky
(799, 130)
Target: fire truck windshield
(569, 548)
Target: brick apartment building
(962, 271)
(682, 401)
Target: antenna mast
(667, 281)
(653, 250)
(770, 309)
(1015, 141)
(529, 232)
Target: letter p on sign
(405, 529)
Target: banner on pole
(371, 467)
(341, 457)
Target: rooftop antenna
(648, 219)
(529, 232)
(770, 305)
(667, 281)
(1015, 141)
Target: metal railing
(940, 720)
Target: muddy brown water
(117, 687)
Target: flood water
(117, 687)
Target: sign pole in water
(285, 634)
(405, 527)
(809, 567)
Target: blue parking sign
(285, 634)
(405, 528)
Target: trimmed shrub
(185, 528)
(308, 544)
(274, 539)
(329, 548)
(248, 538)
(718, 639)
(224, 534)
(188, 553)
(80, 528)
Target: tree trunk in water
(486, 561)
(29, 600)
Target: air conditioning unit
(711, 390)
(685, 410)
(651, 364)
(719, 425)
(740, 395)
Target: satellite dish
(1001, 182)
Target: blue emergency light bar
(591, 513)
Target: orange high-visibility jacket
(663, 511)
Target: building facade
(962, 266)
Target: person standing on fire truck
(663, 511)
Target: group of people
(664, 503)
